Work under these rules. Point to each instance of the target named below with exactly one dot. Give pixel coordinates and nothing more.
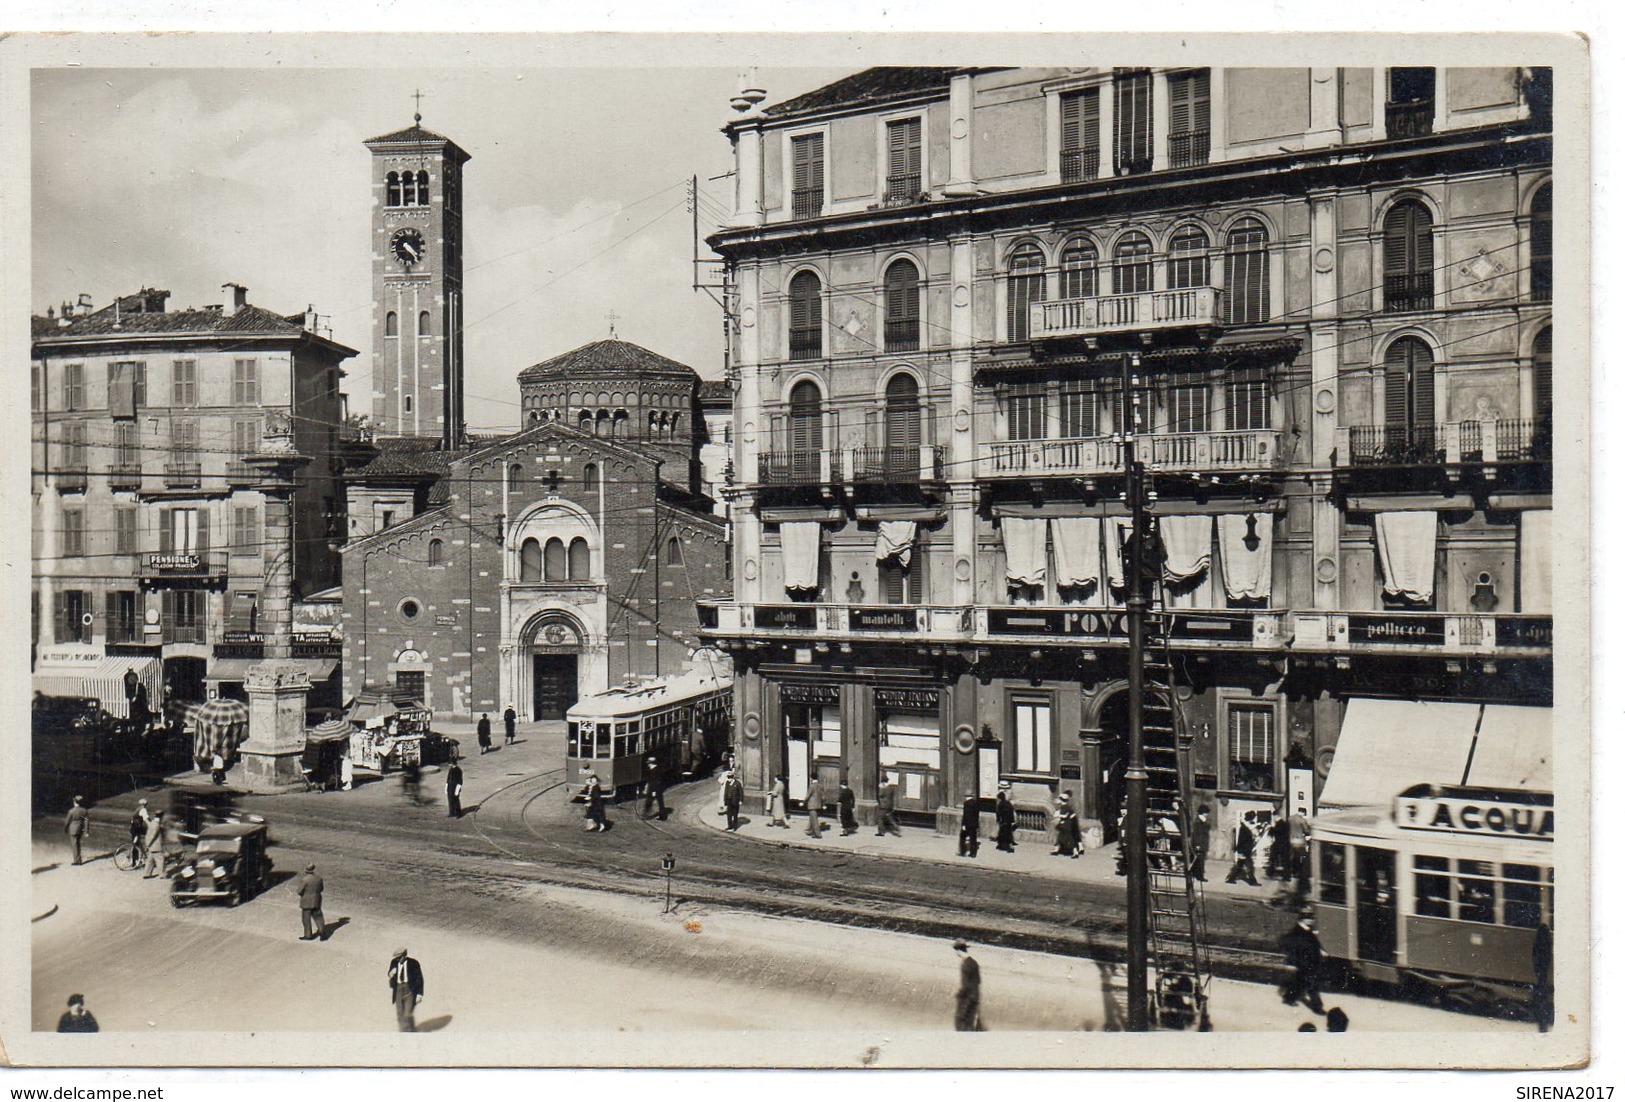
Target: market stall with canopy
(327, 749)
(219, 726)
(390, 728)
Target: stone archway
(548, 677)
(1103, 729)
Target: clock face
(407, 245)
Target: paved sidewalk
(923, 844)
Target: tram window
(571, 737)
(1433, 888)
(1475, 895)
(1520, 898)
(603, 740)
(1333, 869)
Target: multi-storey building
(148, 527)
(1328, 292)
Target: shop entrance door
(1376, 926)
(798, 767)
(553, 685)
(1113, 763)
(911, 753)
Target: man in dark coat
(1004, 814)
(1278, 857)
(310, 905)
(886, 809)
(405, 990)
(509, 719)
(654, 790)
(815, 805)
(733, 796)
(454, 791)
(968, 999)
(970, 824)
(483, 730)
(76, 1019)
(1301, 948)
(1242, 868)
(77, 824)
(846, 801)
(1201, 835)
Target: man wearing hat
(138, 822)
(310, 904)
(968, 999)
(846, 802)
(886, 808)
(405, 989)
(1301, 948)
(654, 789)
(1201, 835)
(509, 719)
(733, 795)
(77, 824)
(1004, 814)
(76, 1019)
(970, 827)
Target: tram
(1450, 889)
(682, 722)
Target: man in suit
(654, 790)
(1242, 869)
(815, 804)
(509, 719)
(1201, 834)
(970, 823)
(886, 805)
(454, 791)
(482, 730)
(733, 795)
(847, 801)
(77, 824)
(154, 842)
(310, 905)
(1004, 814)
(968, 999)
(405, 990)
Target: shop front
(811, 743)
(909, 747)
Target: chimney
(237, 299)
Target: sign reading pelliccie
(1491, 811)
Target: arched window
(423, 323)
(516, 474)
(902, 306)
(584, 421)
(618, 427)
(674, 552)
(530, 561)
(1078, 263)
(555, 566)
(654, 422)
(1247, 272)
(392, 190)
(423, 189)
(437, 553)
(806, 430)
(600, 425)
(535, 416)
(1540, 245)
(580, 565)
(1187, 259)
(1026, 286)
(1131, 264)
(392, 325)
(806, 317)
(1407, 257)
(589, 478)
(903, 428)
(1408, 401)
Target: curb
(47, 914)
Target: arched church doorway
(554, 667)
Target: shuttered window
(902, 307)
(1543, 374)
(1252, 748)
(124, 530)
(896, 583)
(183, 531)
(72, 606)
(1407, 257)
(126, 447)
(1131, 264)
(903, 183)
(1079, 264)
(183, 383)
(806, 426)
(806, 317)
(73, 533)
(1247, 272)
(1188, 408)
(1247, 400)
(1187, 259)
(123, 624)
(1540, 245)
(73, 386)
(1080, 135)
(1408, 377)
(807, 182)
(1024, 411)
(245, 530)
(73, 445)
(1026, 286)
(1131, 120)
(126, 387)
(902, 423)
(1079, 410)
(245, 383)
(1189, 105)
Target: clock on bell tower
(417, 284)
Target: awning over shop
(100, 676)
(236, 669)
(1386, 746)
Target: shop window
(1252, 748)
(1032, 727)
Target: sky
(575, 201)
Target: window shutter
(202, 531)
(1072, 121)
(1422, 381)
(1179, 105)
(903, 148)
(1543, 373)
(166, 536)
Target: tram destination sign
(1490, 811)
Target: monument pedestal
(275, 747)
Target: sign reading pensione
(1485, 811)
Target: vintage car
(229, 863)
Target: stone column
(1324, 398)
(1161, 115)
(276, 726)
(960, 106)
(963, 429)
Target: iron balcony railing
(72, 478)
(1144, 310)
(185, 633)
(125, 474)
(806, 343)
(896, 463)
(1189, 148)
(1410, 120)
(902, 334)
(183, 475)
(1496, 440)
(799, 467)
(158, 565)
(902, 189)
(1078, 165)
(806, 202)
(1230, 449)
(1412, 291)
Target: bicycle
(130, 856)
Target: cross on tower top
(417, 107)
(612, 317)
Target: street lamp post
(1135, 775)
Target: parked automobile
(62, 715)
(229, 863)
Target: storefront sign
(809, 694)
(237, 636)
(1476, 811)
(173, 561)
(313, 638)
(1523, 631)
(882, 619)
(787, 616)
(1057, 621)
(911, 700)
(1400, 630)
(1230, 629)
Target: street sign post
(668, 863)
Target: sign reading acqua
(1492, 811)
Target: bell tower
(417, 284)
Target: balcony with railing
(72, 478)
(1410, 291)
(1219, 629)
(902, 189)
(1447, 444)
(195, 632)
(891, 464)
(1078, 165)
(1407, 633)
(1140, 311)
(1228, 450)
(799, 467)
(124, 474)
(926, 623)
(806, 202)
(1189, 148)
(1410, 120)
(183, 476)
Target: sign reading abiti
(1476, 811)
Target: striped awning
(101, 677)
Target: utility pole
(1135, 775)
